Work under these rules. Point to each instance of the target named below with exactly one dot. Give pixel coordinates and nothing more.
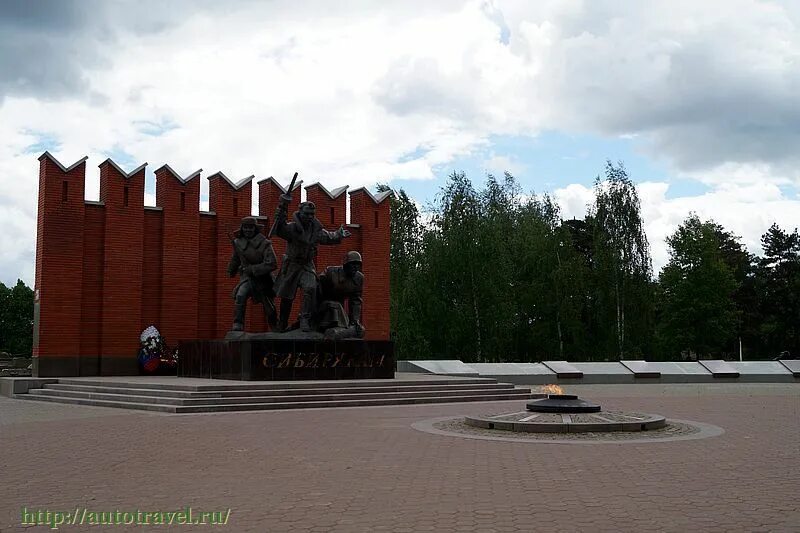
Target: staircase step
(179, 397)
(351, 403)
(511, 395)
(98, 403)
(142, 398)
(127, 398)
(276, 392)
(265, 385)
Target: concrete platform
(604, 373)
(720, 369)
(194, 395)
(448, 367)
(19, 385)
(792, 366)
(641, 369)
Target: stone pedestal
(259, 358)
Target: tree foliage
(778, 280)
(16, 319)
(492, 274)
(697, 286)
(622, 263)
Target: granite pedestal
(272, 358)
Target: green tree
(622, 265)
(497, 268)
(492, 275)
(16, 319)
(699, 314)
(779, 291)
(405, 256)
(745, 298)
(551, 284)
(453, 255)
(536, 258)
(460, 299)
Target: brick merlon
(233, 186)
(177, 176)
(126, 175)
(297, 184)
(377, 198)
(52, 158)
(334, 194)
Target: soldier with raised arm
(303, 234)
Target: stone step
(353, 403)
(127, 398)
(142, 398)
(98, 403)
(276, 392)
(510, 395)
(265, 385)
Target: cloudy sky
(701, 100)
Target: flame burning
(551, 389)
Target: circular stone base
(602, 422)
(674, 430)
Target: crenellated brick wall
(106, 270)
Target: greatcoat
(259, 255)
(297, 268)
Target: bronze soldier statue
(337, 284)
(302, 236)
(254, 259)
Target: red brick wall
(92, 290)
(152, 268)
(123, 262)
(374, 221)
(207, 279)
(59, 262)
(180, 242)
(107, 270)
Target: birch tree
(622, 256)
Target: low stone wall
(617, 372)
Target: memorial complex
(281, 318)
(108, 269)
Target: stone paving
(367, 469)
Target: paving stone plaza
(382, 468)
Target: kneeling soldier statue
(254, 259)
(337, 284)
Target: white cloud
(498, 164)
(345, 96)
(747, 212)
(574, 200)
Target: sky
(700, 100)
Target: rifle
(256, 289)
(283, 204)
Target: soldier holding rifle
(303, 234)
(254, 260)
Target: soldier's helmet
(308, 207)
(352, 257)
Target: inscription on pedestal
(280, 359)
